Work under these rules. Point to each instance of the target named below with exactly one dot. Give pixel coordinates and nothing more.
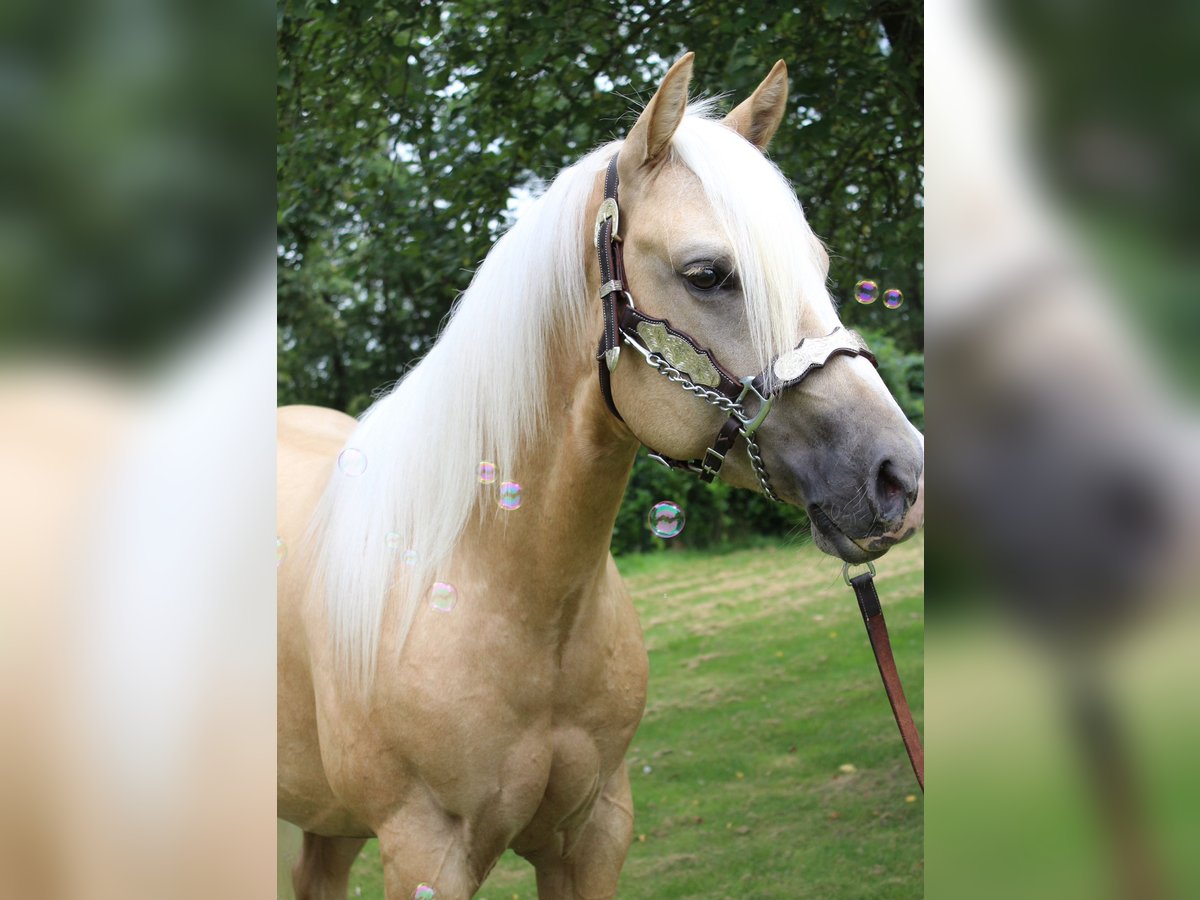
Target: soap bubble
(424, 892)
(866, 291)
(487, 472)
(409, 557)
(510, 495)
(392, 540)
(665, 519)
(352, 462)
(443, 597)
(892, 298)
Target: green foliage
(902, 371)
(717, 515)
(403, 131)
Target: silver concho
(679, 353)
(608, 210)
(814, 352)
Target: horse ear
(757, 117)
(651, 134)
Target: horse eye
(703, 278)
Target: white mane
(481, 393)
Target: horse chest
(583, 709)
(585, 746)
(598, 702)
(515, 735)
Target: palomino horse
(460, 668)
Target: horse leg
(591, 864)
(323, 870)
(429, 848)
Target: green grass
(762, 686)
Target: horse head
(714, 243)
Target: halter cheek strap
(612, 282)
(678, 357)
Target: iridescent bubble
(409, 557)
(665, 519)
(443, 596)
(487, 472)
(510, 495)
(392, 540)
(866, 291)
(280, 551)
(352, 462)
(892, 298)
(424, 892)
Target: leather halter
(696, 369)
(678, 356)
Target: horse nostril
(895, 490)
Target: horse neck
(553, 549)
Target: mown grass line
(762, 688)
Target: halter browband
(696, 369)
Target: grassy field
(768, 764)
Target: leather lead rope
(872, 613)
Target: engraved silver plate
(679, 353)
(608, 210)
(814, 352)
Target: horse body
(508, 733)
(452, 734)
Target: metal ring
(846, 570)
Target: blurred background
(410, 136)
(1061, 333)
(136, 450)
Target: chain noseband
(677, 356)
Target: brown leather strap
(606, 383)
(872, 613)
(720, 449)
(612, 285)
(614, 306)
